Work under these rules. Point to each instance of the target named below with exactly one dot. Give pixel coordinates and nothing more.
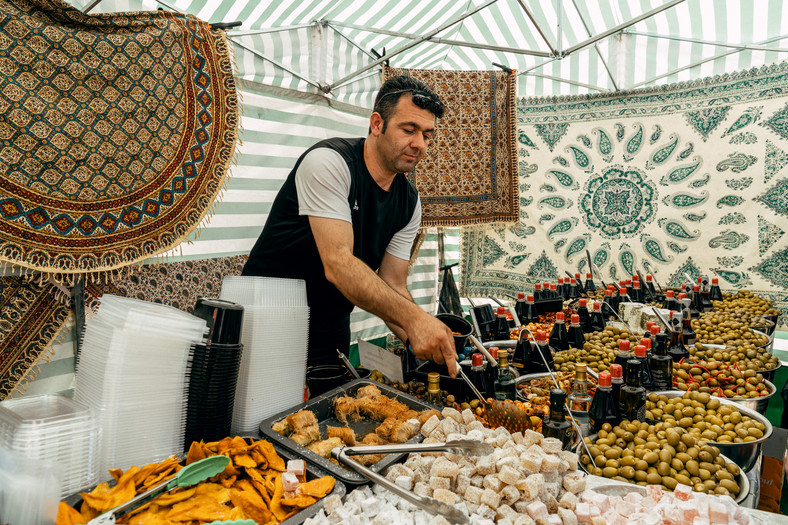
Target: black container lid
(224, 319)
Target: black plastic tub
(322, 406)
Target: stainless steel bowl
(758, 404)
(741, 479)
(745, 455)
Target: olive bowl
(745, 455)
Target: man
(345, 220)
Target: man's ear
(376, 124)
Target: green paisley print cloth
(687, 178)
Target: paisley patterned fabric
(684, 178)
(469, 176)
(31, 316)
(116, 132)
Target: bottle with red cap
(650, 284)
(604, 408)
(677, 351)
(538, 294)
(491, 370)
(655, 329)
(623, 296)
(529, 311)
(574, 289)
(687, 333)
(519, 306)
(661, 364)
(705, 302)
(597, 319)
(649, 324)
(575, 333)
(590, 286)
(612, 305)
(715, 294)
(614, 293)
(632, 398)
(670, 301)
(501, 324)
(584, 315)
(547, 291)
(646, 341)
(616, 381)
(554, 292)
(477, 375)
(541, 359)
(623, 355)
(694, 308)
(559, 339)
(637, 293)
(626, 283)
(641, 354)
(560, 288)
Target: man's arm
(429, 337)
(394, 272)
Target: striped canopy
(558, 47)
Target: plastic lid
(622, 291)
(616, 370)
(572, 281)
(682, 296)
(608, 293)
(529, 299)
(648, 277)
(696, 288)
(577, 276)
(649, 325)
(501, 310)
(588, 275)
(635, 278)
(640, 351)
(477, 359)
(575, 319)
(700, 279)
(537, 286)
(224, 320)
(604, 379)
(655, 330)
(670, 294)
(583, 302)
(623, 344)
(520, 295)
(552, 287)
(559, 316)
(646, 342)
(636, 284)
(629, 282)
(622, 283)
(715, 281)
(560, 280)
(597, 305)
(541, 335)
(493, 351)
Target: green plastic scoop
(186, 477)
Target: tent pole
(596, 47)
(348, 39)
(614, 30)
(700, 62)
(93, 4)
(559, 34)
(250, 32)
(531, 16)
(409, 45)
(572, 82)
(277, 64)
(749, 47)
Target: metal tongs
(466, 447)
(186, 477)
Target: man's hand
(431, 339)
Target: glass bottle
(434, 389)
(604, 408)
(650, 284)
(623, 296)
(560, 288)
(478, 366)
(661, 364)
(641, 354)
(554, 292)
(623, 355)
(529, 311)
(646, 341)
(637, 293)
(610, 301)
(538, 292)
(670, 301)
(556, 425)
(705, 302)
(715, 294)
(575, 333)
(519, 306)
(616, 381)
(649, 324)
(628, 286)
(694, 307)
(579, 280)
(491, 370)
(541, 359)
(655, 329)
(547, 291)
(579, 400)
(590, 286)
(597, 319)
(509, 320)
(574, 289)
(688, 335)
(584, 315)
(632, 399)
(501, 324)
(559, 339)
(504, 387)
(676, 350)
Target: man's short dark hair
(421, 95)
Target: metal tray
(322, 406)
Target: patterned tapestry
(177, 284)
(469, 176)
(116, 132)
(687, 178)
(31, 316)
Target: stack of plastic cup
(30, 489)
(275, 332)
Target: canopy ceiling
(558, 47)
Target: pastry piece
(346, 434)
(324, 448)
(345, 408)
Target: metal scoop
(465, 447)
(186, 477)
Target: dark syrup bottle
(676, 350)
(529, 311)
(477, 375)
(632, 399)
(557, 426)
(540, 360)
(661, 364)
(641, 354)
(538, 295)
(623, 355)
(610, 304)
(501, 325)
(597, 319)
(584, 315)
(688, 335)
(705, 302)
(519, 306)
(670, 301)
(491, 370)
(554, 292)
(637, 293)
(694, 306)
(590, 286)
(616, 381)
(650, 284)
(646, 341)
(574, 289)
(575, 333)
(604, 408)
(715, 294)
(559, 339)
(623, 296)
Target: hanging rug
(31, 316)
(469, 176)
(116, 132)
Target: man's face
(408, 134)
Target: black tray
(312, 472)
(453, 385)
(322, 406)
(543, 306)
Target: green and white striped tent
(308, 69)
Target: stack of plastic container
(132, 370)
(274, 336)
(29, 490)
(56, 429)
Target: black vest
(286, 247)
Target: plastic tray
(322, 406)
